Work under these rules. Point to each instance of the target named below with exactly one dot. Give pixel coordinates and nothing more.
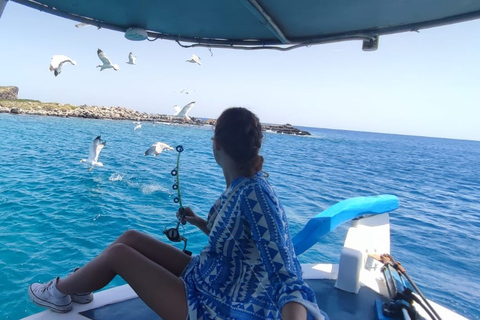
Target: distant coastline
(52, 109)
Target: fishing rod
(173, 234)
(402, 296)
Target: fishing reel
(173, 234)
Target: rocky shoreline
(37, 108)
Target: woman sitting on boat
(248, 270)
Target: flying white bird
(106, 62)
(131, 58)
(194, 59)
(57, 62)
(81, 25)
(183, 112)
(94, 152)
(138, 125)
(186, 91)
(157, 148)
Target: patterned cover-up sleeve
(269, 229)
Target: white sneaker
(47, 295)
(82, 298)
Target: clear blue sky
(425, 84)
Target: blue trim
(341, 212)
(258, 24)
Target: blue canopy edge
(343, 211)
(259, 24)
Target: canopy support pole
(263, 16)
(3, 3)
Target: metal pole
(3, 3)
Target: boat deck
(336, 303)
(355, 272)
(339, 304)
(125, 310)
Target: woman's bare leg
(149, 266)
(166, 255)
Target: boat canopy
(260, 24)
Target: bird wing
(103, 57)
(69, 60)
(177, 110)
(58, 60)
(99, 148)
(164, 146)
(150, 150)
(186, 109)
(91, 151)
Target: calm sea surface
(55, 215)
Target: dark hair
(239, 132)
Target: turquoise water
(55, 215)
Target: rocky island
(9, 103)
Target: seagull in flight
(183, 112)
(106, 62)
(94, 152)
(138, 125)
(157, 148)
(57, 62)
(131, 58)
(194, 59)
(186, 91)
(81, 25)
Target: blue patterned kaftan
(249, 269)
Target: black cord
(398, 266)
(421, 295)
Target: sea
(55, 215)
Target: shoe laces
(48, 286)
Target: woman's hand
(190, 217)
